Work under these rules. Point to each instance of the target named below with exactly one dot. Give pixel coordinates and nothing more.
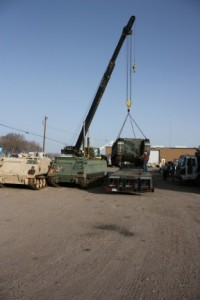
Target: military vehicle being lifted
(127, 154)
(78, 166)
(130, 177)
(129, 150)
(30, 170)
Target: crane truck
(73, 166)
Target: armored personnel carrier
(30, 170)
(80, 171)
(129, 150)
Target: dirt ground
(67, 243)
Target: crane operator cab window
(97, 152)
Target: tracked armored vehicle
(30, 170)
(129, 150)
(80, 171)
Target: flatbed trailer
(129, 180)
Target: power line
(41, 136)
(65, 131)
(32, 133)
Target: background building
(165, 154)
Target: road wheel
(37, 184)
(52, 182)
(44, 182)
(41, 183)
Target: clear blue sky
(53, 54)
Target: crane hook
(128, 104)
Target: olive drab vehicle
(129, 150)
(130, 177)
(30, 170)
(75, 165)
(76, 170)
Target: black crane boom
(104, 81)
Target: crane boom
(104, 81)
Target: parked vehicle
(188, 168)
(30, 170)
(80, 171)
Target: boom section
(104, 81)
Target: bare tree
(15, 143)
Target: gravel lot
(67, 243)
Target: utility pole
(44, 136)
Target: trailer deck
(129, 180)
